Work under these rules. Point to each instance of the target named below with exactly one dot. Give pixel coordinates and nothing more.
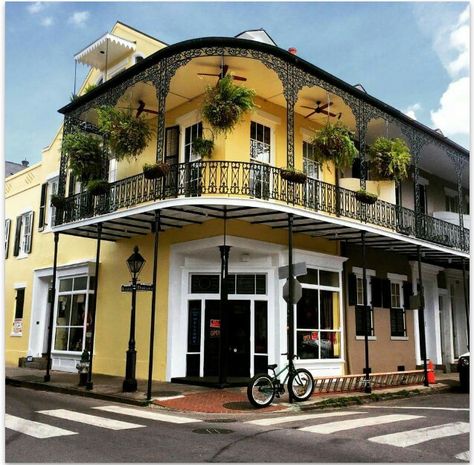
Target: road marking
(34, 428)
(333, 427)
(422, 408)
(416, 436)
(148, 414)
(312, 416)
(90, 419)
(464, 456)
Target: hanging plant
(390, 159)
(98, 187)
(84, 151)
(128, 136)
(57, 201)
(226, 103)
(203, 147)
(292, 175)
(366, 197)
(155, 170)
(335, 143)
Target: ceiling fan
(141, 109)
(223, 73)
(322, 109)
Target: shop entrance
(239, 338)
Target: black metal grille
(259, 181)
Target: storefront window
(73, 321)
(318, 322)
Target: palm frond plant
(84, 152)
(226, 103)
(390, 159)
(335, 143)
(366, 197)
(128, 136)
(155, 170)
(98, 187)
(292, 175)
(203, 147)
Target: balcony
(244, 180)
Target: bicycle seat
(272, 367)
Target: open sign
(215, 323)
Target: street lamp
(135, 264)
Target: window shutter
(407, 293)
(351, 289)
(16, 248)
(376, 284)
(30, 242)
(386, 294)
(72, 184)
(7, 236)
(42, 209)
(172, 145)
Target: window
(112, 170)
(397, 312)
(318, 316)
(74, 314)
(250, 284)
(360, 290)
(191, 133)
(52, 190)
(23, 234)
(360, 327)
(260, 144)
(452, 204)
(358, 301)
(19, 306)
(42, 208)
(7, 235)
(310, 166)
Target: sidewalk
(200, 399)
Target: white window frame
(185, 121)
(398, 280)
(25, 239)
(307, 137)
(358, 272)
(113, 165)
(52, 190)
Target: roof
(11, 167)
(259, 35)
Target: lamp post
(135, 264)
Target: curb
(73, 392)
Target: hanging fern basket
(390, 159)
(203, 147)
(58, 202)
(155, 170)
(98, 187)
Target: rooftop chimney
(293, 50)
(25, 163)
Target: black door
(239, 338)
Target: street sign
(415, 302)
(297, 291)
(138, 287)
(299, 269)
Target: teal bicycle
(263, 388)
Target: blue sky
(413, 56)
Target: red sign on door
(215, 323)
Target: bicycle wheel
(260, 391)
(301, 385)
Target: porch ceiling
(138, 224)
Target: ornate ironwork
(260, 182)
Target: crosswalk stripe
(34, 428)
(464, 456)
(420, 408)
(415, 436)
(148, 414)
(312, 416)
(91, 420)
(335, 426)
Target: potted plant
(128, 135)
(292, 175)
(390, 159)
(57, 201)
(84, 151)
(335, 143)
(366, 197)
(226, 103)
(203, 147)
(155, 170)
(98, 187)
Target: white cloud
(46, 22)
(412, 109)
(36, 7)
(79, 18)
(452, 116)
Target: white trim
(359, 271)
(423, 181)
(188, 119)
(397, 277)
(267, 119)
(370, 338)
(257, 203)
(307, 134)
(101, 40)
(25, 211)
(52, 175)
(19, 286)
(399, 338)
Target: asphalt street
(49, 427)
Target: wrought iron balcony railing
(254, 180)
